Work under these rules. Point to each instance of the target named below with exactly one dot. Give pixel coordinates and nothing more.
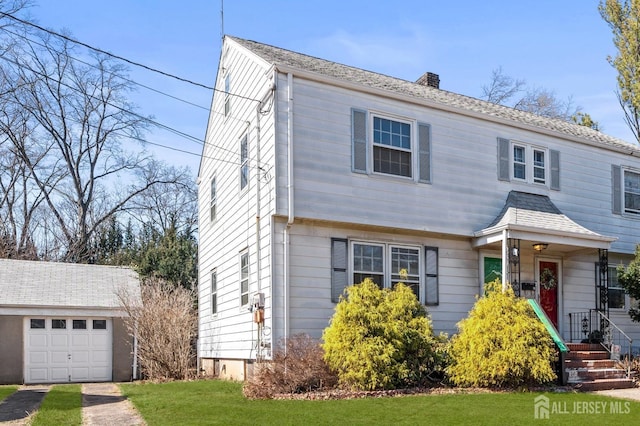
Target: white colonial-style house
(316, 175)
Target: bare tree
(164, 325)
(506, 90)
(78, 117)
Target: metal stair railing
(596, 327)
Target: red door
(549, 290)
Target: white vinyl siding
(227, 95)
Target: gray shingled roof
(282, 57)
(536, 211)
(30, 283)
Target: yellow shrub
(501, 343)
(380, 338)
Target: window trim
(244, 277)
(529, 163)
(411, 150)
(623, 192)
(387, 273)
(613, 271)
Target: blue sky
(557, 45)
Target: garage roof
(33, 283)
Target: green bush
(501, 344)
(381, 339)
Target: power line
(138, 64)
(95, 67)
(105, 52)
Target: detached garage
(62, 322)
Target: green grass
(5, 391)
(61, 406)
(218, 402)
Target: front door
(548, 279)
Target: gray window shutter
(424, 155)
(503, 159)
(339, 279)
(554, 160)
(359, 141)
(431, 296)
(616, 189)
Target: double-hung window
(214, 292)
(521, 162)
(244, 278)
(227, 95)
(615, 292)
(631, 192)
(214, 200)
(391, 147)
(244, 162)
(386, 265)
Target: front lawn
(5, 391)
(62, 405)
(217, 402)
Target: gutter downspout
(291, 214)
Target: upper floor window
(244, 162)
(213, 199)
(244, 278)
(631, 192)
(527, 163)
(390, 146)
(227, 96)
(386, 265)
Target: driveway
(102, 404)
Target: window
(244, 162)
(631, 192)
(214, 292)
(58, 323)
(391, 147)
(100, 324)
(214, 199)
(386, 265)
(615, 293)
(227, 96)
(79, 324)
(539, 173)
(519, 162)
(526, 163)
(244, 278)
(368, 262)
(37, 323)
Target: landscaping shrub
(381, 339)
(501, 344)
(297, 366)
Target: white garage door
(59, 349)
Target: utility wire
(104, 52)
(113, 74)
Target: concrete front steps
(589, 368)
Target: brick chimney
(429, 79)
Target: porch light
(514, 251)
(540, 246)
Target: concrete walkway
(103, 404)
(631, 393)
